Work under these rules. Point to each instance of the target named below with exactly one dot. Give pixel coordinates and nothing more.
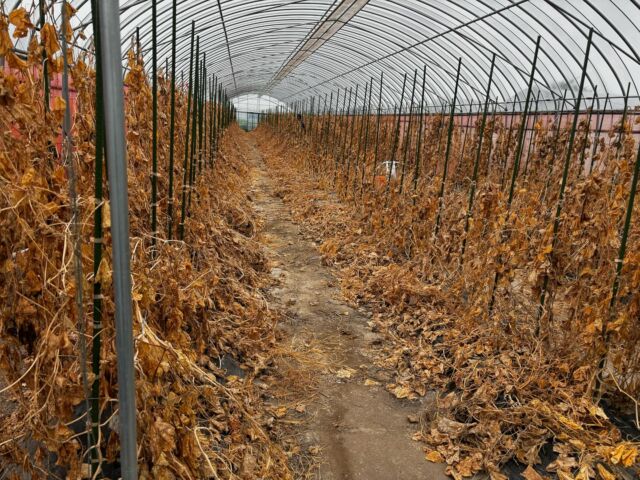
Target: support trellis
(347, 137)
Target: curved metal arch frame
(397, 36)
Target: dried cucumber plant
(527, 333)
(195, 302)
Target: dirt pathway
(362, 431)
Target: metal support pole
(556, 141)
(416, 168)
(98, 242)
(447, 151)
(154, 128)
(366, 117)
(476, 165)
(185, 165)
(109, 21)
(377, 147)
(396, 139)
(596, 140)
(565, 174)
(619, 264)
(45, 62)
(587, 131)
(516, 161)
(351, 125)
(194, 124)
(407, 132)
(523, 125)
(172, 121)
(343, 142)
(532, 137)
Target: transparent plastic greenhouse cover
(294, 50)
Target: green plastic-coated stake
(45, 62)
(363, 163)
(476, 164)
(185, 165)
(194, 124)
(98, 243)
(447, 153)
(587, 131)
(379, 114)
(407, 133)
(356, 163)
(556, 142)
(596, 139)
(619, 264)
(154, 128)
(396, 141)
(416, 167)
(565, 175)
(516, 160)
(172, 122)
(348, 152)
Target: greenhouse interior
(320, 239)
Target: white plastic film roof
(299, 49)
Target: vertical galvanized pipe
(115, 144)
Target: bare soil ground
(356, 428)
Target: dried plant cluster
(456, 278)
(195, 302)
